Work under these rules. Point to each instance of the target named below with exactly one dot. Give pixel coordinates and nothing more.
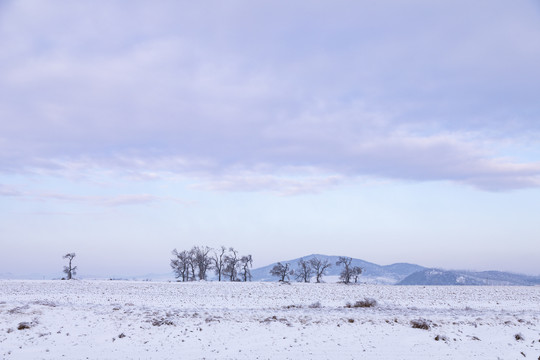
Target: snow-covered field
(144, 320)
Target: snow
(212, 320)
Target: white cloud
(352, 90)
(107, 201)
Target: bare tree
(356, 272)
(281, 271)
(181, 264)
(347, 271)
(245, 263)
(219, 261)
(304, 271)
(202, 260)
(192, 265)
(70, 270)
(231, 264)
(319, 267)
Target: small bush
(293, 307)
(24, 325)
(420, 324)
(366, 303)
(161, 322)
(315, 305)
(122, 335)
(519, 337)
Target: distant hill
(373, 273)
(452, 277)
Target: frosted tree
(356, 272)
(281, 271)
(70, 270)
(181, 264)
(319, 267)
(219, 261)
(348, 271)
(202, 259)
(246, 262)
(192, 265)
(304, 271)
(231, 264)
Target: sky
(390, 131)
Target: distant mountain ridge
(373, 273)
(456, 277)
(407, 274)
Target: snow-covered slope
(451, 277)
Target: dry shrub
(161, 322)
(24, 325)
(366, 303)
(420, 324)
(315, 305)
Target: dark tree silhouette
(304, 271)
(319, 267)
(281, 271)
(356, 272)
(219, 261)
(246, 262)
(202, 260)
(192, 265)
(70, 270)
(181, 264)
(231, 264)
(347, 272)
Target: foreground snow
(112, 320)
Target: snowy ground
(143, 320)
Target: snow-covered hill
(451, 277)
(372, 273)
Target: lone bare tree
(245, 263)
(281, 271)
(347, 273)
(219, 261)
(70, 270)
(304, 271)
(319, 267)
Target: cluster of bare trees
(227, 264)
(317, 268)
(314, 267)
(349, 272)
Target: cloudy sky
(392, 131)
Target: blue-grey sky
(392, 131)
